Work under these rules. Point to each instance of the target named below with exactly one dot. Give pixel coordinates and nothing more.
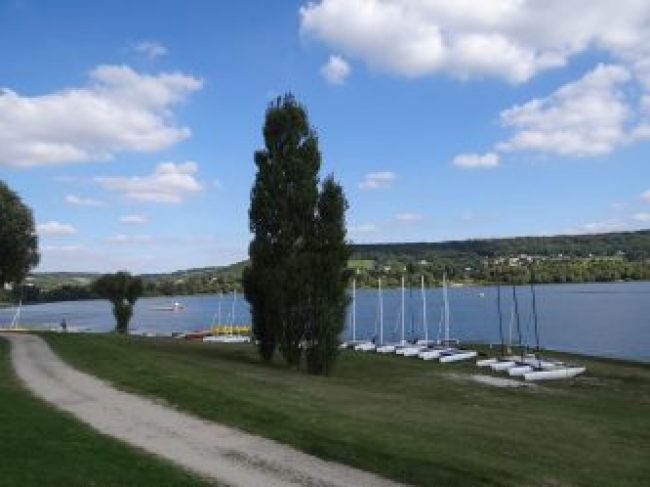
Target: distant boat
(172, 307)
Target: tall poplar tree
(281, 283)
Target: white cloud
(365, 228)
(122, 238)
(134, 219)
(54, 227)
(336, 70)
(409, 217)
(473, 161)
(509, 39)
(151, 49)
(645, 196)
(583, 118)
(467, 216)
(81, 201)
(642, 217)
(375, 180)
(119, 110)
(170, 183)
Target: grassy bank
(41, 446)
(410, 420)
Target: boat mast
(234, 301)
(503, 345)
(446, 300)
(514, 297)
(424, 310)
(354, 308)
(402, 307)
(381, 313)
(219, 308)
(532, 290)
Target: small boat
(172, 307)
(559, 372)
(456, 355)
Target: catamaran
(531, 366)
(234, 334)
(444, 351)
(420, 345)
(395, 347)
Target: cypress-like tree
(330, 277)
(18, 241)
(122, 290)
(282, 281)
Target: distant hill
(561, 258)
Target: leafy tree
(18, 240)
(282, 281)
(122, 290)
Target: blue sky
(130, 127)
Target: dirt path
(226, 455)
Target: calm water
(610, 319)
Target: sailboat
(444, 351)
(395, 347)
(230, 333)
(421, 345)
(503, 361)
(371, 346)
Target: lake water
(611, 319)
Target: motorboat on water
(176, 306)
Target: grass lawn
(41, 446)
(407, 419)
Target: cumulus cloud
(508, 39)
(81, 201)
(375, 180)
(53, 228)
(489, 160)
(409, 217)
(118, 110)
(583, 118)
(641, 217)
(134, 219)
(336, 70)
(169, 183)
(151, 49)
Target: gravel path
(226, 455)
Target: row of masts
(380, 301)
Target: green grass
(404, 418)
(41, 446)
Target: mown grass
(41, 446)
(414, 421)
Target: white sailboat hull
(458, 356)
(554, 374)
(413, 351)
(365, 347)
(486, 362)
(519, 370)
(503, 365)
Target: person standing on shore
(64, 325)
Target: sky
(129, 127)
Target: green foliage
(122, 290)
(18, 241)
(297, 232)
